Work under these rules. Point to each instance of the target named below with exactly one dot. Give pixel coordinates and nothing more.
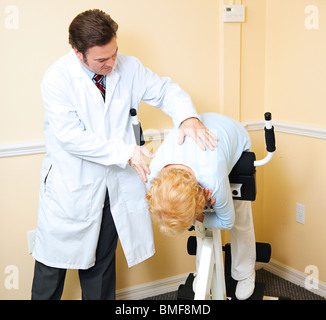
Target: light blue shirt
(211, 168)
(91, 74)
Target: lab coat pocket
(133, 191)
(68, 202)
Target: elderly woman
(178, 185)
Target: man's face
(100, 59)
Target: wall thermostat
(234, 13)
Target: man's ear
(78, 54)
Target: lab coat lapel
(81, 79)
(111, 83)
(111, 80)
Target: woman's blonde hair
(175, 199)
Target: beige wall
(271, 62)
(294, 92)
(178, 39)
(295, 62)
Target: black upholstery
(244, 173)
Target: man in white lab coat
(92, 178)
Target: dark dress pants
(97, 282)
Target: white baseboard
(155, 288)
(151, 289)
(291, 275)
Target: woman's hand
(208, 197)
(209, 202)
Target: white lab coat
(88, 144)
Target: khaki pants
(243, 243)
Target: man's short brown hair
(91, 28)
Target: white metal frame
(210, 282)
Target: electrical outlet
(300, 213)
(31, 240)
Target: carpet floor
(274, 286)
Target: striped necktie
(99, 82)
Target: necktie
(99, 82)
